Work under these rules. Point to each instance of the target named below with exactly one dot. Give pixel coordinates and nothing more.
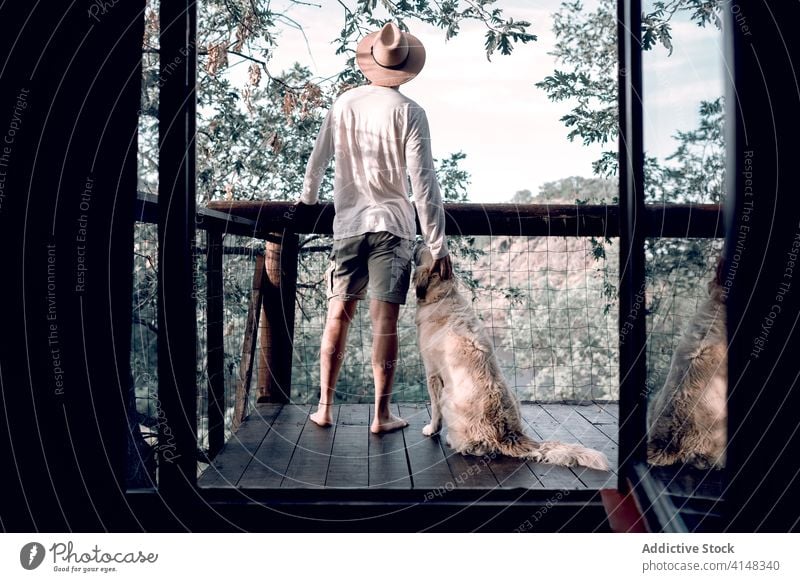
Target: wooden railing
(673, 220)
(272, 298)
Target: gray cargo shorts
(381, 260)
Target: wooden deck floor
(278, 448)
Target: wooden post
(249, 346)
(177, 315)
(632, 230)
(215, 347)
(277, 325)
(761, 264)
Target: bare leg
(334, 338)
(384, 362)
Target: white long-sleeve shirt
(378, 135)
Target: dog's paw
(429, 430)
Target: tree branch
(264, 67)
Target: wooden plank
(429, 468)
(354, 415)
(601, 420)
(556, 476)
(512, 473)
(594, 413)
(388, 465)
(585, 432)
(309, 465)
(551, 476)
(348, 467)
(275, 453)
(595, 479)
(610, 408)
(573, 427)
(231, 462)
(468, 472)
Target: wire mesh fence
(238, 264)
(238, 261)
(546, 304)
(144, 358)
(678, 272)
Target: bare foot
(387, 424)
(322, 416)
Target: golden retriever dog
(467, 389)
(687, 418)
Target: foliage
(522, 197)
(578, 190)
(253, 139)
(586, 50)
(586, 46)
(501, 32)
(656, 23)
(696, 170)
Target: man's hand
(443, 266)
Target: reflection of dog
(465, 384)
(687, 418)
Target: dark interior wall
(763, 265)
(69, 87)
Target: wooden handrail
(667, 220)
(262, 219)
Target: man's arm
(425, 187)
(318, 162)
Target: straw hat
(389, 56)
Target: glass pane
(685, 163)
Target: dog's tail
(553, 452)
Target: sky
(493, 111)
